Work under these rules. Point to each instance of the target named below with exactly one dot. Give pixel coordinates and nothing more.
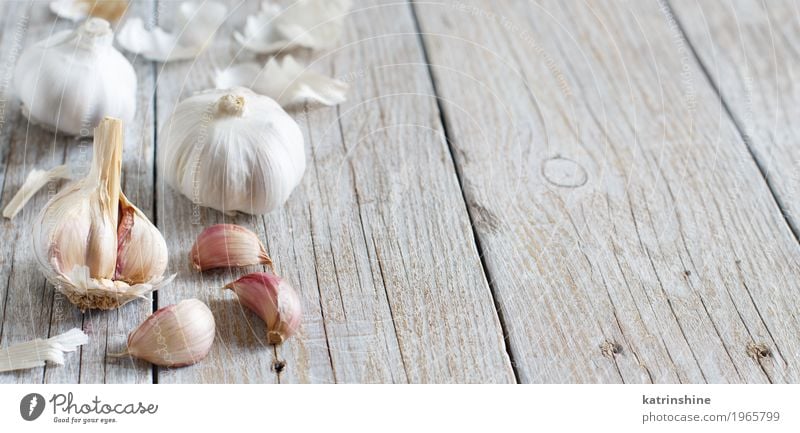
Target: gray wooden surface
(515, 191)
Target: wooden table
(515, 191)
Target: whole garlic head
(97, 248)
(71, 80)
(232, 150)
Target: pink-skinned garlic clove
(227, 246)
(273, 300)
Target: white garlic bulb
(71, 80)
(96, 247)
(232, 150)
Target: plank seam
(451, 154)
(739, 129)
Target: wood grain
(750, 50)
(628, 234)
(376, 238)
(32, 308)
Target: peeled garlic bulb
(273, 300)
(69, 81)
(232, 150)
(174, 336)
(97, 248)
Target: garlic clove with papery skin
(174, 336)
(273, 300)
(232, 150)
(69, 81)
(96, 247)
(226, 246)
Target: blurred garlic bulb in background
(76, 10)
(71, 80)
(232, 150)
(96, 247)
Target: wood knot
(758, 351)
(610, 348)
(564, 172)
(278, 366)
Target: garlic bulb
(273, 300)
(77, 10)
(96, 247)
(226, 246)
(174, 336)
(69, 81)
(232, 150)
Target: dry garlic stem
(273, 300)
(174, 336)
(226, 246)
(96, 247)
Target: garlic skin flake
(96, 247)
(226, 246)
(313, 24)
(196, 26)
(69, 81)
(286, 81)
(35, 353)
(174, 336)
(232, 150)
(76, 10)
(35, 181)
(273, 300)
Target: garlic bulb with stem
(97, 248)
(273, 300)
(76, 10)
(174, 336)
(69, 81)
(232, 150)
(226, 246)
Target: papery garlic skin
(232, 150)
(91, 255)
(174, 336)
(286, 81)
(273, 300)
(226, 246)
(71, 80)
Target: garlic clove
(141, 250)
(83, 246)
(227, 245)
(86, 79)
(174, 336)
(273, 300)
(285, 81)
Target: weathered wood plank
(376, 238)
(28, 298)
(32, 308)
(751, 50)
(628, 234)
(109, 330)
